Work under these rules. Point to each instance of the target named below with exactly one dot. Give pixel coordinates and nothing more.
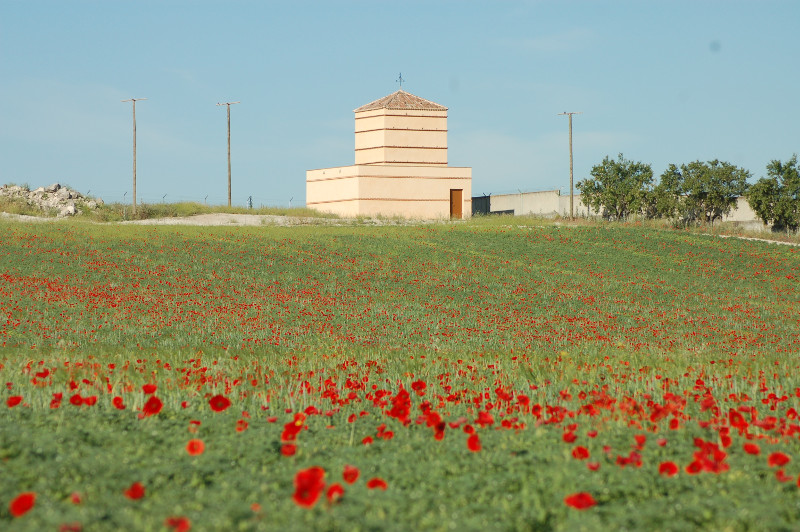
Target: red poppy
(90, 401)
(668, 469)
(219, 403)
(752, 448)
(377, 484)
(118, 404)
(241, 425)
(778, 459)
(152, 406)
(474, 443)
(580, 501)
(350, 474)
(288, 449)
(76, 400)
(308, 484)
(55, 402)
(22, 503)
(136, 491)
(569, 437)
(179, 524)
(580, 453)
(195, 447)
(782, 476)
(335, 492)
(484, 419)
(367, 440)
(76, 498)
(149, 388)
(593, 466)
(13, 401)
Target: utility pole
(228, 105)
(571, 211)
(134, 100)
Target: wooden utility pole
(134, 100)
(571, 211)
(228, 105)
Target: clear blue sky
(662, 82)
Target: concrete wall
(371, 190)
(552, 203)
(544, 203)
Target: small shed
(400, 165)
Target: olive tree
(776, 198)
(617, 188)
(700, 191)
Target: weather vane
(400, 80)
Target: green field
(641, 367)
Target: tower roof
(404, 101)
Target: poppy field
(485, 375)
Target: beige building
(400, 165)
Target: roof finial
(400, 80)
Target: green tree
(776, 198)
(618, 188)
(700, 191)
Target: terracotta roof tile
(402, 100)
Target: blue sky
(662, 82)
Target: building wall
(370, 190)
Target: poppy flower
(288, 449)
(136, 491)
(76, 498)
(219, 403)
(782, 476)
(13, 401)
(377, 484)
(90, 401)
(580, 453)
(149, 389)
(778, 459)
(195, 447)
(668, 469)
(350, 474)
(474, 443)
(179, 524)
(752, 448)
(580, 501)
(76, 400)
(593, 466)
(334, 493)
(118, 403)
(367, 440)
(152, 406)
(22, 503)
(569, 437)
(308, 484)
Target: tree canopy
(700, 191)
(618, 188)
(776, 198)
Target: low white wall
(552, 203)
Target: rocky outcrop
(63, 201)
